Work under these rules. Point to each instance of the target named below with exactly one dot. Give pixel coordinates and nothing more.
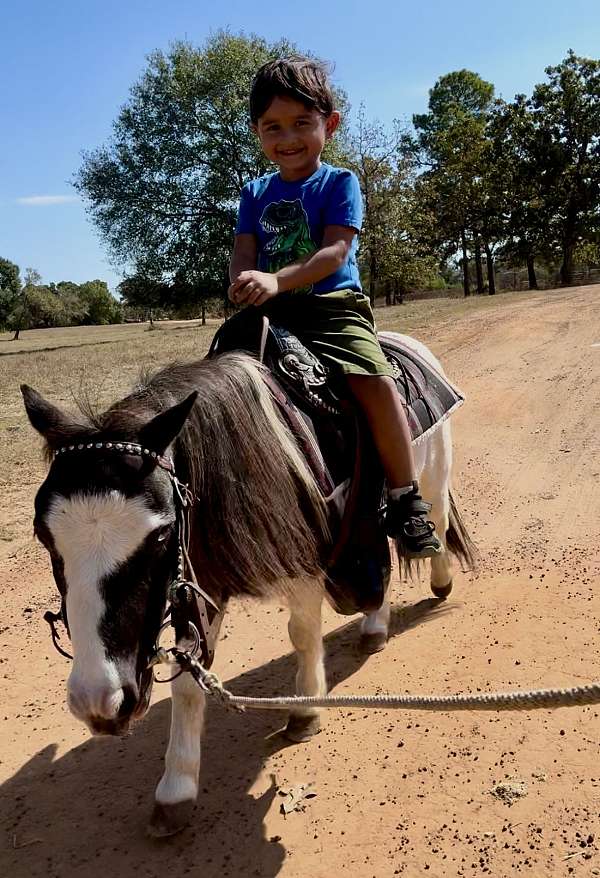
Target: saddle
(337, 444)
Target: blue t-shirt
(289, 218)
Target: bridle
(190, 611)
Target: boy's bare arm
(331, 255)
(256, 287)
(243, 256)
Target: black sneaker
(405, 521)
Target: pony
(107, 513)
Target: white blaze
(95, 534)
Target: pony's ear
(158, 433)
(56, 426)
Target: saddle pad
(429, 397)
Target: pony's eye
(163, 533)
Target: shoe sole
(419, 556)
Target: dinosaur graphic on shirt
(288, 222)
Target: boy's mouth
(288, 153)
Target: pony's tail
(458, 539)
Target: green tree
(142, 294)
(44, 308)
(566, 112)
(588, 253)
(519, 174)
(164, 191)
(389, 254)
(41, 306)
(10, 289)
(100, 305)
(453, 148)
(21, 316)
(406, 263)
(74, 309)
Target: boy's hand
(253, 288)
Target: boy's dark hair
(302, 79)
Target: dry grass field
(397, 794)
(102, 363)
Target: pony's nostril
(129, 701)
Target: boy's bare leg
(380, 401)
(406, 510)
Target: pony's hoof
(372, 643)
(302, 728)
(442, 591)
(169, 819)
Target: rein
(534, 699)
(191, 612)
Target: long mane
(258, 517)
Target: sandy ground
(397, 793)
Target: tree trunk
(21, 319)
(398, 293)
(478, 266)
(372, 278)
(465, 263)
(151, 318)
(491, 272)
(566, 269)
(203, 314)
(532, 279)
(388, 293)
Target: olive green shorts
(338, 327)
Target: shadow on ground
(85, 813)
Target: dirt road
(397, 793)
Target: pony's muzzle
(113, 727)
(106, 710)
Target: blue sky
(66, 68)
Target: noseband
(191, 612)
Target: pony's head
(108, 521)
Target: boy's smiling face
(293, 136)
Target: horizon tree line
(474, 182)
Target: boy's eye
(272, 128)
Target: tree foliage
(566, 112)
(164, 191)
(100, 306)
(453, 147)
(390, 252)
(41, 306)
(546, 163)
(520, 184)
(10, 289)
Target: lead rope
(536, 699)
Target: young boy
(295, 254)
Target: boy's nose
(288, 137)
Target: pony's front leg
(178, 788)
(305, 633)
